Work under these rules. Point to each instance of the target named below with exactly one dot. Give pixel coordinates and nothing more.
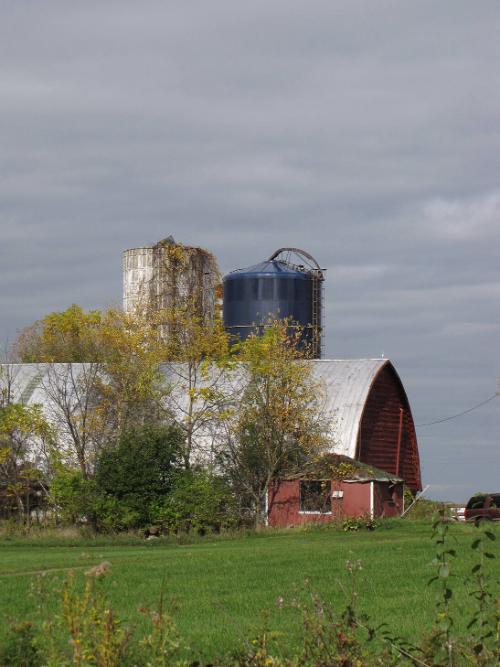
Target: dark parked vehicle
(483, 506)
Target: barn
(333, 488)
(373, 453)
(364, 400)
(371, 419)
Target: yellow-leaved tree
(67, 336)
(198, 355)
(133, 386)
(278, 423)
(101, 374)
(25, 438)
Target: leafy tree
(105, 373)
(139, 470)
(25, 437)
(199, 356)
(118, 383)
(70, 336)
(278, 421)
(72, 495)
(133, 387)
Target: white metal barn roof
(27, 381)
(346, 384)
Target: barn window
(315, 497)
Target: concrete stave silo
(167, 275)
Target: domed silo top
(270, 266)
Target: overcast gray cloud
(367, 133)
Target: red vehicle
(483, 506)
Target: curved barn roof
(347, 383)
(26, 382)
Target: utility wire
(446, 419)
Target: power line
(446, 419)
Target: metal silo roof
(269, 267)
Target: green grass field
(221, 586)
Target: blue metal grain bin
(271, 289)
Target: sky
(367, 133)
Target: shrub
(355, 523)
(72, 495)
(135, 474)
(199, 501)
(111, 514)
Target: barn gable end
(371, 415)
(386, 436)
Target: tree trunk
(261, 510)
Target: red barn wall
(284, 504)
(386, 426)
(356, 500)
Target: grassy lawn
(220, 587)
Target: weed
(442, 647)
(85, 631)
(19, 649)
(331, 638)
(485, 621)
(163, 643)
(355, 523)
(261, 650)
(440, 639)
